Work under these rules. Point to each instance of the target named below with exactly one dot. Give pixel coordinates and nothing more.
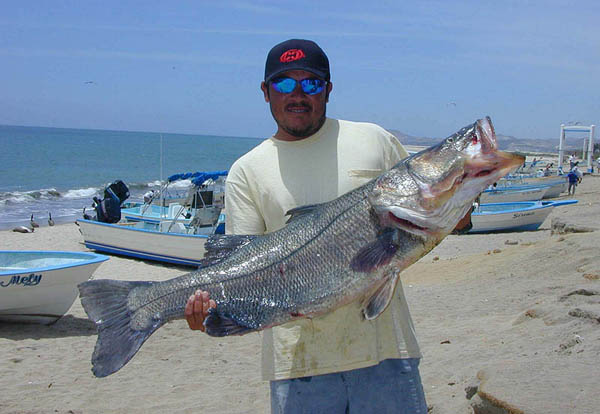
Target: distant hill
(505, 142)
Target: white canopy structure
(576, 128)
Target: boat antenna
(162, 196)
(161, 158)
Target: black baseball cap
(297, 54)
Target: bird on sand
(33, 223)
(50, 221)
(23, 229)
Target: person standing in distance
(338, 362)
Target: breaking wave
(82, 193)
(18, 197)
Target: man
(574, 179)
(338, 362)
(571, 161)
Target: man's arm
(242, 214)
(241, 217)
(396, 151)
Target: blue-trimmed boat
(168, 241)
(556, 184)
(512, 194)
(516, 216)
(41, 286)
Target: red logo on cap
(291, 55)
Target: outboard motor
(108, 210)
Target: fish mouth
(424, 223)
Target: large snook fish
(328, 255)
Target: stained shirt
(277, 176)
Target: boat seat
(174, 209)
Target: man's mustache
(303, 105)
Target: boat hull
(556, 184)
(126, 240)
(517, 216)
(41, 286)
(508, 194)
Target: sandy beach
(511, 320)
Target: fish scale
(328, 255)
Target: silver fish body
(351, 248)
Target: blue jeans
(392, 386)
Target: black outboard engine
(108, 210)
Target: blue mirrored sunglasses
(310, 86)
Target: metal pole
(590, 156)
(561, 140)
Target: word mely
(30, 280)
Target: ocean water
(59, 170)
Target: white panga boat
(512, 194)
(168, 241)
(556, 184)
(41, 286)
(515, 216)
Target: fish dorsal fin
(301, 211)
(219, 247)
(379, 301)
(377, 253)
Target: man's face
(298, 115)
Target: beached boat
(516, 216)
(556, 187)
(556, 184)
(168, 241)
(41, 286)
(512, 194)
(204, 201)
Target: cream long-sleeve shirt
(277, 176)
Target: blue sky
(422, 67)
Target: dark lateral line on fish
(361, 199)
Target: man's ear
(265, 88)
(328, 91)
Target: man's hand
(196, 309)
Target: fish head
(429, 192)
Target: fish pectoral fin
(375, 254)
(224, 325)
(380, 300)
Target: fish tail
(122, 329)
